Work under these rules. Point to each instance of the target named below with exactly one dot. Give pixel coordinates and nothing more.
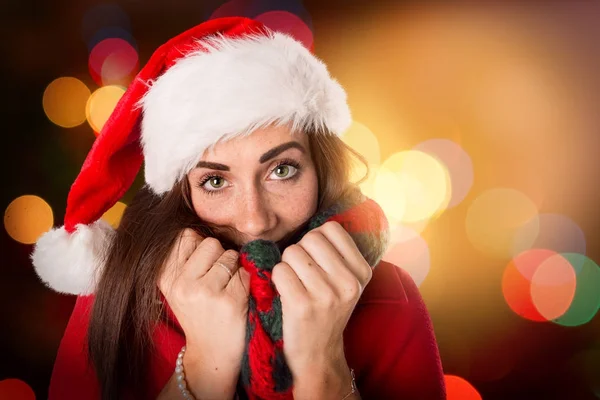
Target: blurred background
(480, 122)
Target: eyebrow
(274, 152)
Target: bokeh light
(363, 140)
(457, 162)
(411, 254)
(495, 217)
(586, 302)
(553, 286)
(27, 217)
(516, 283)
(406, 231)
(64, 101)
(15, 389)
(542, 285)
(550, 231)
(358, 171)
(458, 388)
(286, 22)
(114, 214)
(113, 61)
(411, 186)
(390, 195)
(101, 104)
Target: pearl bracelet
(179, 375)
(353, 388)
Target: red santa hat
(219, 80)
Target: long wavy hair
(125, 309)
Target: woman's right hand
(211, 308)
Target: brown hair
(125, 307)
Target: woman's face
(263, 185)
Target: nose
(255, 217)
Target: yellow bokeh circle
(101, 105)
(495, 219)
(411, 186)
(364, 141)
(114, 214)
(27, 217)
(65, 100)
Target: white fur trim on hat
(72, 263)
(229, 88)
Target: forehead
(257, 143)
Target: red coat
(389, 342)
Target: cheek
(301, 203)
(203, 206)
(196, 202)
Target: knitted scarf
(265, 373)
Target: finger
(188, 242)
(184, 246)
(217, 276)
(320, 249)
(308, 271)
(344, 244)
(202, 259)
(239, 285)
(287, 283)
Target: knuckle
(312, 237)
(329, 300)
(280, 270)
(212, 245)
(351, 290)
(188, 233)
(368, 274)
(229, 257)
(331, 226)
(290, 251)
(276, 271)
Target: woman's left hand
(320, 280)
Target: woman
(238, 129)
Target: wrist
(208, 380)
(331, 379)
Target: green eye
(282, 171)
(216, 179)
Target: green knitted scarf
(265, 374)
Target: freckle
(310, 264)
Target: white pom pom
(72, 263)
